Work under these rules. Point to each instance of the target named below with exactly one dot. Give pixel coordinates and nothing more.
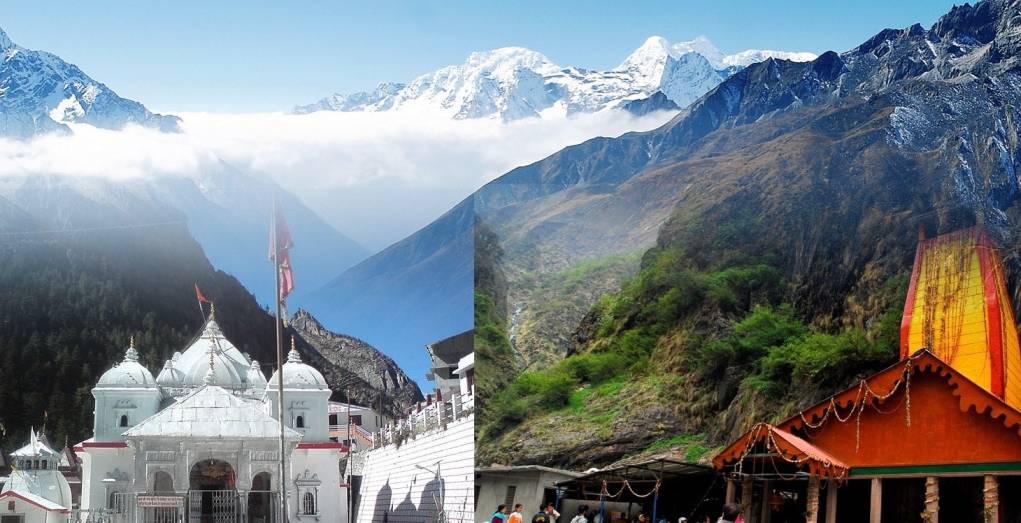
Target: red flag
(201, 297)
(282, 234)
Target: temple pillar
(747, 484)
(932, 499)
(812, 510)
(831, 501)
(876, 501)
(991, 499)
(765, 514)
(731, 491)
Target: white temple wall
(32, 513)
(105, 463)
(321, 465)
(310, 405)
(111, 404)
(402, 483)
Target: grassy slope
(680, 358)
(556, 302)
(784, 264)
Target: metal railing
(424, 419)
(197, 506)
(356, 430)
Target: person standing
(516, 516)
(541, 516)
(731, 513)
(499, 516)
(551, 511)
(581, 517)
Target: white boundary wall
(400, 485)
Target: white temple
(200, 442)
(36, 490)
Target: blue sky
(268, 56)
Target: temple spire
(293, 356)
(210, 376)
(131, 354)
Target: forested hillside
(72, 300)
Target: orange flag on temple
(201, 297)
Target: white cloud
(376, 176)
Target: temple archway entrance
(212, 498)
(162, 505)
(262, 507)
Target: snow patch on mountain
(511, 83)
(41, 93)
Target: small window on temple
(44, 465)
(300, 422)
(124, 420)
(308, 504)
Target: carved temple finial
(131, 354)
(210, 374)
(293, 356)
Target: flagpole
(280, 367)
(350, 466)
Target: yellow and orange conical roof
(958, 308)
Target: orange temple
(938, 432)
(958, 308)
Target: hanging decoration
(863, 397)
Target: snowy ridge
(511, 83)
(41, 93)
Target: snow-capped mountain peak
(514, 82)
(506, 59)
(656, 49)
(649, 59)
(43, 93)
(751, 56)
(5, 41)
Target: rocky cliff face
(825, 170)
(350, 364)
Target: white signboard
(160, 501)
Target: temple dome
(170, 376)
(46, 482)
(298, 375)
(230, 366)
(128, 374)
(255, 376)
